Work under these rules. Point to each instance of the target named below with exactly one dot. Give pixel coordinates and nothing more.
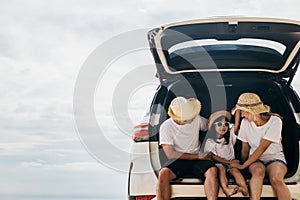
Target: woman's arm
(245, 151)
(264, 144)
(244, 156)
(171, 153)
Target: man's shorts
(189, 168)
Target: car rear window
(231, 54)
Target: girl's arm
(237, 121)
(219, 159)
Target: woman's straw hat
(250, 102)
(216, 115)
(182, 109)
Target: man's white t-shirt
(271, 131)
(184, 138)
(219, 148)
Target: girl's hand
(234, 161)
(238, 112)
(205, 156)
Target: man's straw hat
(182, 109)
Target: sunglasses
(220, 124)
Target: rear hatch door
(235, 46)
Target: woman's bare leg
(257, 171)
(276, 172)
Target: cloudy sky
(44, 46)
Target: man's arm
(171, 154)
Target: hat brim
(193, 114)
(262, 108)
(216, 115)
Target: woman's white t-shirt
(219, 148)
(270, 131)
(184, 138)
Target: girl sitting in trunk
(221, 142)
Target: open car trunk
(217, 92)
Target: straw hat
(216, 115)
(182, 109)
(250, 102)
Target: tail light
(141, 133)
(145, 197)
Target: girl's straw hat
(250, 102)
(182, 109)
(216, 115)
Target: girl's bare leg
(229, 191)
(239, 179)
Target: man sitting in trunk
(179, 137)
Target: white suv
(215, 60)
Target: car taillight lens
(145, 197)
(141, 133)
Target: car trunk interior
(218, 92)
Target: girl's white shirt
(219, 148)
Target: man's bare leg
(257, 170)
(163, 189)
(211, 185)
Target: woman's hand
(236, 164)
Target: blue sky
(43, 46)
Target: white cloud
(73, 166)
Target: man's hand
(205, 156)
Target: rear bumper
(198, 191)
(141, 179)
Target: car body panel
(141, 171)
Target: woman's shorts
(189, 168)
(272, 161)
